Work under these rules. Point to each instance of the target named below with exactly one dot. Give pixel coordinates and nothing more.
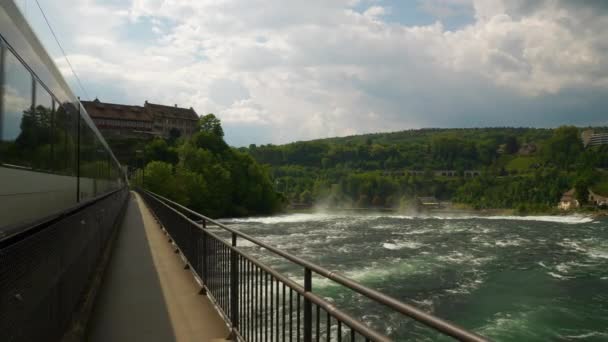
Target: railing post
(234, 286)
(307, 306)
(205, 271)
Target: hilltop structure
(568, 200)
(126, 121)
(590, 138)
(598, 200)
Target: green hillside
(520, 168)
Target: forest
(526, 169)
(205, 174)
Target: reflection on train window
(65, 136)
(36, 131)
(16, 112)
(89, 168)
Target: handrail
(344, 317)
(429, 320)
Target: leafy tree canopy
(211, 124)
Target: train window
(40, 124)
(16, 148)
(65, 138)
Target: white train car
(52, 157)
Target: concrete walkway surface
(146, 294)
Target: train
(52, 156)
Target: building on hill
(172, 118)
(598, 200)
(122, 121)
(590, 138)
(527, 149)
(568, 200)
(125, 121)
(436, 173)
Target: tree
(211, 124)
(174, 134)
(511, 145)
(158, 177)
(306, 197)
(582, 191)
(158, 149)
(564, 147)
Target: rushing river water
(508, 278)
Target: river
(508, 278)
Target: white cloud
(319, 68)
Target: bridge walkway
(146, 295)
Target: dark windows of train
(37, 136)
(90, 167)
(66, 138)
(16, 111)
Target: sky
(277, 71)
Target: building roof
(173, 112)
(597, 196)
(101, 110)
(568, 195)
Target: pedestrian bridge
(135, 266)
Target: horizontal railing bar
(328, 307)
(405, 309)
(344, 317)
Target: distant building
(590, 138)
(116, 120)
(471, 173)
(446, 173)
(436, 173)
(168, 118)
(527, 149)
(568, 200)
(598, 200)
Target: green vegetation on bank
(207, 175)
(520, 168)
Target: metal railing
(261, 304)
(46, 267)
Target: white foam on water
(466, 287)
(325, 216)
(401, 245)
(572, 245)
(462, 258)
(587, 335)
(245, 243)
(557, 276)
(507, 243)
(569, 219)
(419, 231)
(598, 254)
(427, 304)
(384, 226)
(562, 268)
(503, 323)
(290, 218)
